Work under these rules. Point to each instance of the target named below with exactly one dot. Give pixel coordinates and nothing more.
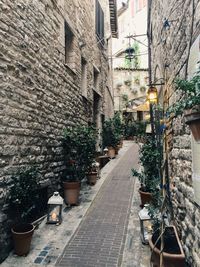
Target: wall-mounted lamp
(152, 95)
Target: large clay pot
(111, 152)
(169, 259)
(71, 192)
(145, 197)
(192, 118)
(117, 149)
(92, 178)
(103, 160)
(22, 235)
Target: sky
(119, 3)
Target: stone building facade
(55, 72)
(174, 28)
(130, 88)
(130, 76)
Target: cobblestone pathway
(99, 240)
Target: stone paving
(135, 253)
(99, 241)
(96, 230)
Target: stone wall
(131, 83)
(170, 48)
(39, 94)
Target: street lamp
(152, 95)
(129, 53)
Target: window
(84, 77)
(69, 38)
(99, 21)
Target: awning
(142, 107)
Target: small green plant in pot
(112, 134)
(23, 198)
(150, 157)
(189, 104)
(79, 152)
(109, 137)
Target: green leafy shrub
(24, 197)
(135, 128)
(112, 131)
(150, 158)
(190, 95)
(79, 146)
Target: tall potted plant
(79, 151)
(109, 138)
(112, 134)
(172, 251)
(189, 104)
(23, 198)
(87, 152)
(150, 157)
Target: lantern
(55, 203)
(145, 225)
(129, 53)
(105, 151)
(152, 95)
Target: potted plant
(150, 157)
(189, 105)
(118, 131)
(127, 82)
(79, 151)
(172, 251)
(23, 198)
(88, 151)
(112, 134)
(143, 89)
(109, 138)
(137, 80)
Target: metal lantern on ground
(145, 225)
(55, 203)
(105, 151)
(152, 95)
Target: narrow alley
(100, 133)
(100, 238)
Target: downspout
(149, 39)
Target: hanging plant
(143, 89)
(134, 91)
(189, 103)
(137, 80)
(127, 82)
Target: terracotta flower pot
(117, 150)
(192, 118)
(145, 197)
(22, 235)
(111, 152)
(171, 258)
(71, 192)
(92, 178)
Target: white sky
(119, 3)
